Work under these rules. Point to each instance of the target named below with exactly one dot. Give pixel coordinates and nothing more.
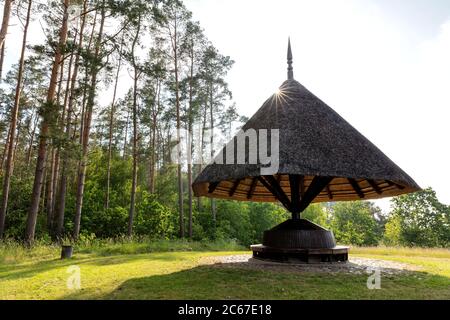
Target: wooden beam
(302, 186)
(316, 187)
(280, 198)
(330, 195)
(392, 183)
(234, 187)
(294, 183)
(276, 186)
(374, 186)
(212, 186)
(399, 186)
(356, 187)
(252, 188)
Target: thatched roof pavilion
(321, 156)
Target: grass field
(130, 271)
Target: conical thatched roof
(321, 158)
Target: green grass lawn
(113, 274)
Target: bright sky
(384, 65)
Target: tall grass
(125, 245)
(14, 252)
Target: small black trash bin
(66, 252)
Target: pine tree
(47, 109)
(12, 129)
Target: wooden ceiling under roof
(296, 192)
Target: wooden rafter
(316, 187)
(356, 187)
(276, 186)
(374, 186)
(234, 187)
(212, 186)
(330, 194)
(392, 183)
(252, 188)
(284, 200)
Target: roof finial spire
(289, 61)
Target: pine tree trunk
(5, 150)
(202, 147)
(14, 115)
(125, 141)
(49, 186)
(30, 145)
(111, 124)
(152, 170)
(45, 128)
(60, 199)
(16, 142)
(213, 201)
(177, 100)
(189, 145)
(151, 182)
(2, 59)
(86, 130)
(135, 134)
(56, 154)
(5, 22)
(3, 31)
(135, 165)
(49, 190)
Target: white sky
(384, 65)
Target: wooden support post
(294, 182)
(302, 186)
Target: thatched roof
(321, 158)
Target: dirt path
(353, 266)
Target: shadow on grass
(236, 282)
(14, 272)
